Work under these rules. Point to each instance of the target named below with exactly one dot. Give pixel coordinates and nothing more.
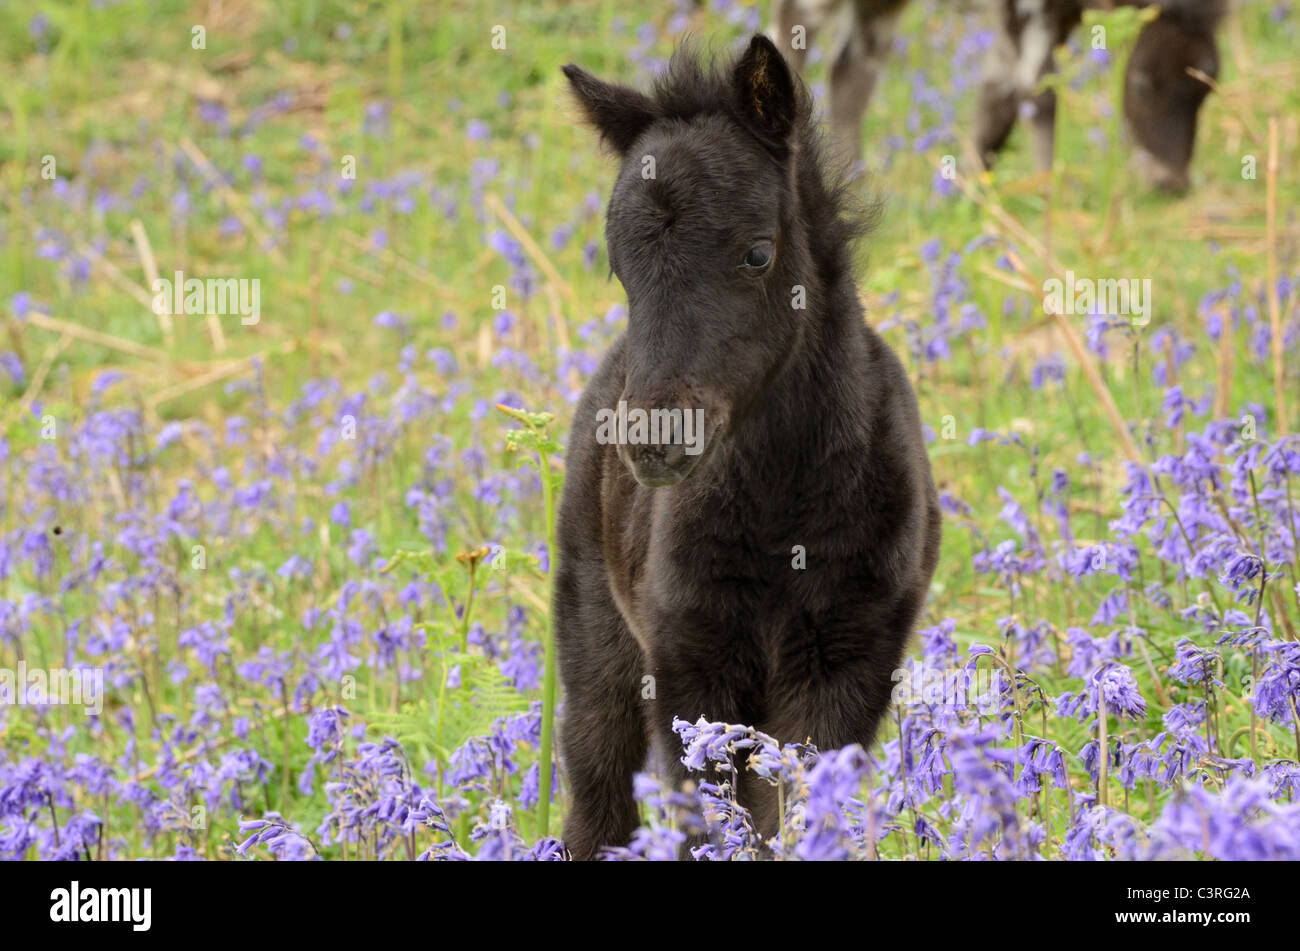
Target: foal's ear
(764, 90)
(620, 114)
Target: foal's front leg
(835, 683)
(603, 734)
(695, 678)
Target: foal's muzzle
(657, 466)
(662, 445)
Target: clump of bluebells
(1101, 739)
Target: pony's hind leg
(794, 24)
(999, 99)
(855, 68)
(1021, 57)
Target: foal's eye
(758, 257)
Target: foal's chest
(675, 579)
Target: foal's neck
(822, 386)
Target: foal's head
(706, 233)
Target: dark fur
(815, 440)
(1161, 98)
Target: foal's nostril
(655, 466)
(670, 459)
(660, 442)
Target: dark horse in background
(1161, 98)
(772, 577)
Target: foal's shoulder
(606, 384)
(893, 393)
(601, 393)
(884, 365)
(585, 459)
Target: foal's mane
(696, 84)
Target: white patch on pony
(1035, 45)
